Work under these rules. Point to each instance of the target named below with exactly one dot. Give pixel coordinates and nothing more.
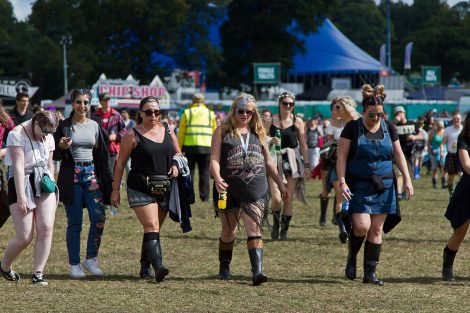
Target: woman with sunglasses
(151, 146)
(240, 161)
(292, 162)
(29, 156)
(84, 181)
(457, 211)
(366, 151)
(343, 110)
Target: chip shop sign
(132, 91)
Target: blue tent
(329, 51)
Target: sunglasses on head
(247, 112)
(374, 114)
(288, 104)
(151, 112)
(84, 102)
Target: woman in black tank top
(151, 146)
(292, 137)
(239, 162)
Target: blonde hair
(256, 124)
(439, 124)
(349, 106)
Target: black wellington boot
(323, 208)
(154, 253)
(371, 259)
(225, 257)
(145, 271)
(334, 221)
(285, 221)
(434, 182)
(256, 260)
(343, 232)
(355, 244)
(275, 229)
(448, 264)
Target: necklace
(155, 131)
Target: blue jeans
(86, 193)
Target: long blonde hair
(256, 124)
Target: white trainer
(92, 266)
(76, 271)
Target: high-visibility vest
(198, 127)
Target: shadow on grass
(90, 277)
(246, 280)
(425, 280)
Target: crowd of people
(258, 160)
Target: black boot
(434, 182)
(285, 221)
(371, 259)
(145, 271)
(343, 233)
(256, 260)
(154, 253)
(355, 244)
(334, 221)
(443, 182)
(275, 229)
(448, 264)
(225, 257)
(323, 208)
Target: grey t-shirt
(84, 137)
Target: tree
(363, 23)
(266, 31)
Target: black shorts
(12, 190)
(452, 165)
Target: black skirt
(458, 210)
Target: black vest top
(150, 158)
(245, 174)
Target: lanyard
(245, 144)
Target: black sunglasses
(85, 102)
(287, 104)
(151, 112)
(374, 114)
(337, 107)
(46, 131)
(247, 112)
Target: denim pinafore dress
(373, 157)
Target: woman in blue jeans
(83, 178)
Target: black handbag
(158, 185)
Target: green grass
(305, 273)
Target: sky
(22, 8)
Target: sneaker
(9, 275)
(92, 266)
(76, 271)
(39, 280)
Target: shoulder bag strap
(32, 147)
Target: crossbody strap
(32, 147)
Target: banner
(382, 56)
(267, 73)
(407, 62)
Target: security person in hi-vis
(196, 127)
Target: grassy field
(305, 273)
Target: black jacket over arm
(100, 159)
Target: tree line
(147, 37)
